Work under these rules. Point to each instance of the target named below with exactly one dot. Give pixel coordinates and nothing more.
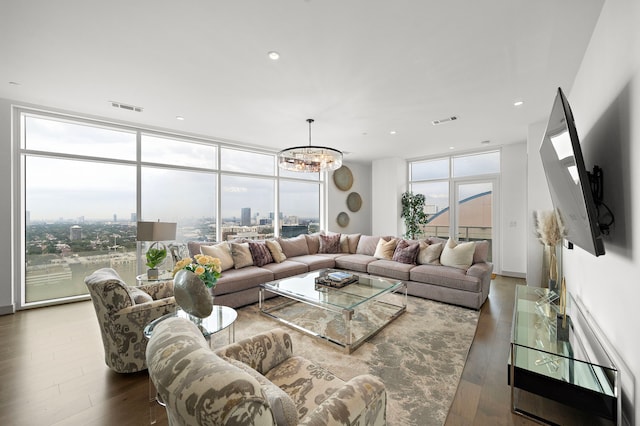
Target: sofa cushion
(385, 249)
(296, 246)
(354, 262)
(329, 243)
(429, 254)
(481, 254)
(458, 255)
(445, 276)
(276, 251)
(315, 261)
(235, 280)
(241, 255)
(260, 253)
(222, 251)
(390, 269)
(406, 252)
(287, 268)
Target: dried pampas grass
(550, 229)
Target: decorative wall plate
(342, 219)
(343, 178)
(354, 201)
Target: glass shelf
(555, 354)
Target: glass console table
(555, 355)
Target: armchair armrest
(143, 313)
(261, 352)
(362, 400)
(158, 290)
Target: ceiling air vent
(125, 106)
(444, 120)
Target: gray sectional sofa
(462, 284)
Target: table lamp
(156, 232)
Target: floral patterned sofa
(256, 381)
(122, 314)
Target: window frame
(20, 153)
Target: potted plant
(413, 214)
(155, 256)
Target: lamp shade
(156, 231)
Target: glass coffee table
(345, 316)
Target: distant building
(245, 217)
(75, 233)
(293, 230)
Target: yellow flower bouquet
(207, 268)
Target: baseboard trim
(513, 274)
(8, 309)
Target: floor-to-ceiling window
(460, 193)
(84, 184)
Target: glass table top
(221, 317)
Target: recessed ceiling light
(179, 117)
(274, 56)
(518, 103)
(452, 147)
(393, 132)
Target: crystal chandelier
(309, 159)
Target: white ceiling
(360, 68)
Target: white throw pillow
(458, 255)
(276, 251)
(222, 252)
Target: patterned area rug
(419, 356)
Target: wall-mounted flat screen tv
(568, 179)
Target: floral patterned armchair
(257, 381)
(123, 312)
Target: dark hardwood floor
(52, 370)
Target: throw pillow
(385, 249)
(329, 243)
(344, 243)
(481, 253)
(260, 253)
(241, 255)
(458, 255)
(353, 239)
(367, 245)
(429, 254)
(313, 242)
(276, 251)
(296, 246)
(140, 296)
(406, 252)
(222, 252)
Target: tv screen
(568, 179)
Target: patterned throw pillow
(406, 253)
(329, 243)
(260, 253)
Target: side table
(221, 318)
(163, 276)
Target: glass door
(475, 211)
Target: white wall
(513, 215)
(605, 99)
(6, 260)
(388, 182)
(538, 197)
(360, 221)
